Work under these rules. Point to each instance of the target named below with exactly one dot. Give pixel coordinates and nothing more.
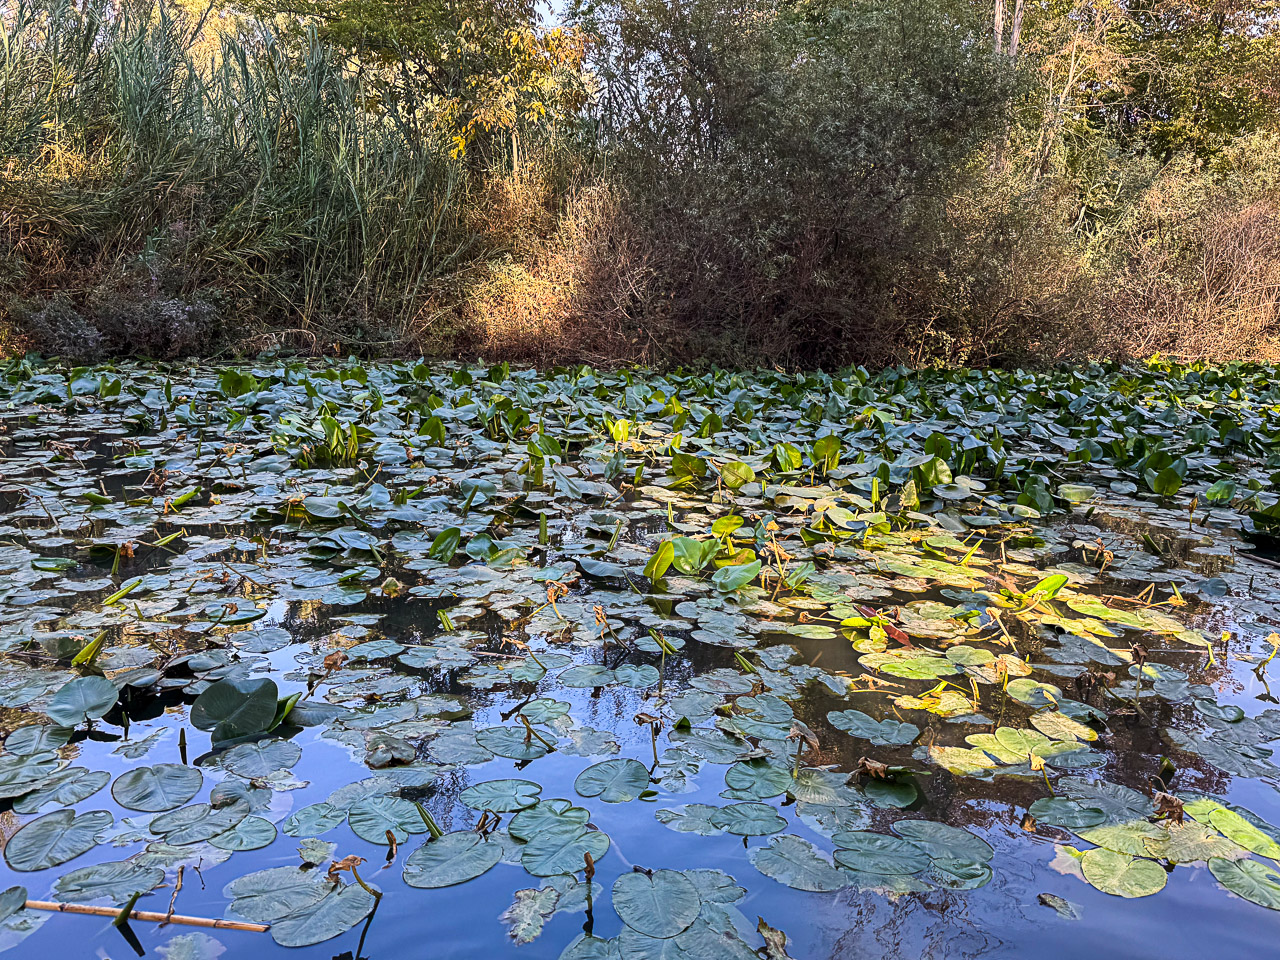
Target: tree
(483, 73)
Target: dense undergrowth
(873, 181)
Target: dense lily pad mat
(348, 642)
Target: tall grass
(280, 184)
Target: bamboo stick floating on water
(147, 915)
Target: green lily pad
(879, 732)
(235, 708)
(757, 780)
(37, 738)
(198, 822)
(690, 818)
(1061, 812)
(501, 796)
(266, 896)
(1122, 875)
(373, 817)
(1130, 838)
(336, 913)
(526, 824)
(943, 841)
(797, 864)
(313, 820)
(251, 833)
(1257, 882)
(878, 853)
(451, 859)
(66, 787)
(659, 905)
(158, 788)
(22, 774)
(81, 700)
(560, 849)
(54, 839)
(116, 880)
(262, 758)
(749, 819)
(613, 781)
(513, 742)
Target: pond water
(388, 658)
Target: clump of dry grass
(1201, 278)
(573, 282)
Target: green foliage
(876, 181)
(195, 178)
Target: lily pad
(334, 914)
(613, 781)
(879, 732)
(372, 818)
(941, 840)
(158, 788)
(1256, 882)
(877, 853)
(116, 881)
(1122, 875)
(81, 700)
(451, 859)
(659, 905)
(501, 796)
(560, 849)
(232, 708)
(797, 864)
(54, 839)
(526, 824)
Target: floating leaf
(54, 839)
(757, 780)
(81, 700)
(796, 863)
(877, 853)
(198, 822)
(526, 824)
(372, 818)
(749, 819)
(116, 881)
(261, 759)
(879, 732)
(517, 743)
(1256, 882)
(313, 820)
(324, 919)
(613, 781)
(235, 708)
(1130, 838)
(560, 848)
(658, 905)
(251, 833)
(156, 789)
(690, 818)
(501, 796)
(1191, 842)
(1240, 831)
(66, 787)
(1122, 875)
(940, 840)
(273, 894)
(451, 859)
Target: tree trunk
(1017, 30)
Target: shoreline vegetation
(803, 183)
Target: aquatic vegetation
(572, 629)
